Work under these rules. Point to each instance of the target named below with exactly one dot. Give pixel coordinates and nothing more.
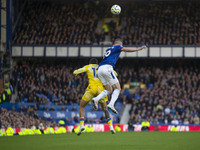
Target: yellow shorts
(92, 91)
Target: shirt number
(107, 53)
(94, 72)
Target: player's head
(118, 42)
(93, 61)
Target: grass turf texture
(105, 141)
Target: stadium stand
(47, 91)
(48, 83)
(25, 118)
(171, 93)
(169, 23)
(58, 23)
(158, 23)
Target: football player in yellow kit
(94, 88)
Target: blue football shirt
(111, 55)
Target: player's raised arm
(80, 70)
(125, 49)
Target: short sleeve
(86, 67)
(119, 47)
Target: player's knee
(109, 90)
(119, 88)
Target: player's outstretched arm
(80, 70)
(124, 49)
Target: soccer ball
(115, 9)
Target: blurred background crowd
(23, 119)
(171, 91)
(168, 23)
(58, 23)
(48, 83)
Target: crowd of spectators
(153, 23)
(172, 89)
(45, 83)
(23, 119)
(157, 23)
(171, 95)
(58, 23)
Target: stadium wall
(98, 51)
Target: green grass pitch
(105, 141)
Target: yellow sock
(82, 120)
(109, 121)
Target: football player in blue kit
(107, 76)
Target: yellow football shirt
(91, 71)
(95, 87)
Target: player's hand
(74, 73)
(142, 47)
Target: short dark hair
(118, 41)
(93, 61)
